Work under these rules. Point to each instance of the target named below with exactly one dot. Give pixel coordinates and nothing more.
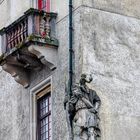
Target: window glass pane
(46, 128)
(49, 103)
(47, 135)
(45, 117)
(44, 136)
(46, 102)
(44, 106)
(41, 105)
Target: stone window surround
(33, 106)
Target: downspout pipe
(70, 46)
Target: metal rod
(70, 46)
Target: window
(44, 5)
(44, 116)
(40, 111)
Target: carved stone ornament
(45, 27)
(82, 111)
(24, 61)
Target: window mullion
(44, 116)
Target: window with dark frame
(44, 117)
(44, 5)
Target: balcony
(28, 44)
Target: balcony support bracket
(20, 63)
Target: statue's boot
(91, 134)
(84, 136)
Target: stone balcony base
(33, 58)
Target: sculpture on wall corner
(83, 108)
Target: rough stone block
(124, 7)
(111, 54)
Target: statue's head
(83, 75)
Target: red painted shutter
(39, 4)
(48, 5)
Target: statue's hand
(80, 95)
(92, 110)
(90, 78)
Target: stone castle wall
(111, 53)
(106, 44)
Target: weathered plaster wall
(107, 46)
(60, 77)
(111, 53)
(13, 9)
(10, 10)
(60, 7)
(19, 111)
(14, 109)
(15, 106)
(124, 7)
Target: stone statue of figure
(83, 108)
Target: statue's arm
(95, 109)
(66, 99)
(97, 103)
(90, 79)
(97, 106)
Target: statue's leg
(79, 133)
(91, 134)
(76, 132)
(84, 135)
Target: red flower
(43, 34)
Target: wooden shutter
(40, 5)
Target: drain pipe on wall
(70, 61)
(70, 46)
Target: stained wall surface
(13, 9)
(10, 10)
(106, 45)
(123, 7)
(111, 53)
